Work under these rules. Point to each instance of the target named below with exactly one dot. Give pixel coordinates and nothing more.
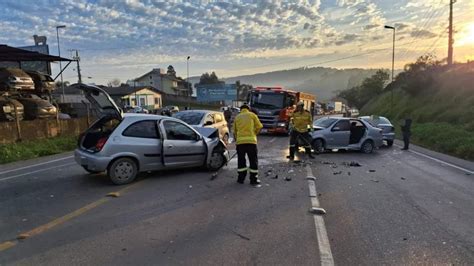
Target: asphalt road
(396, 208)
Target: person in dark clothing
(228, 114)
(406, 132)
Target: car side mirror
(198, 137)
(208, 123)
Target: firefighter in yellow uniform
(246, 128)
(301, 121)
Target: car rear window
(142, 129)
(191, 118)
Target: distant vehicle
(354, 112)
(274, 106)
(205, 118)
(7, 109)
(14, 79)
(338, 107)
(138, 110)
(35, 107)
(345, 133)
(125, 144)
(384, 124)
(43, 83)
(172, 108)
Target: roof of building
(157, 71)
(12, 54)
(126, 90)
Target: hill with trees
(439, 99)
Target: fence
(11, 132)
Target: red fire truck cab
(274, 106)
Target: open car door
(100, 99)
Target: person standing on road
(301, 121)
(406, 132)
(245, 129)
(228, 117)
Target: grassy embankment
(33, 149)
(443, 114)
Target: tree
(114, 83)
(171, 71)
(207, 78)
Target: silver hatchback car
(206, 118)
(345, 133)
(125, 144)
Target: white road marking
(36, 171)
(272, 140)
(38, 164)
(323, 241)
(439, 161)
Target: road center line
(63, 219)
(38, 164)
(325, 253)
(439, 161)
(36, 171)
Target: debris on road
(402, 178)
(23, 236)
(348, 173)
(337, 173)
(374, 180)
(354, 164)
(51, 196)
(287, 178)
(275, 177)
(372, 171)
(190, 186)
(311, 178)
(405, 239)
(240, 235)
(318, 211)
(326, 162)
(113, 194)
(214, 176)
(290, 171)
(334, 166)
(24, 220)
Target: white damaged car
(122, 145)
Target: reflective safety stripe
(242, 169)
(253, 171)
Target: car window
(191, 118)
(343, 125)
(142, 129)
(178, 131)
(218, 117)
(357, 123)
(324, 122)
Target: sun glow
(468, 35)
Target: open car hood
(100, 99)
(207, 132)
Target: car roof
(199, 111)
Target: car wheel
(318, 146)
(122, 171)
(389, 143)
(91, 171)
(217, 161)
(367, 147)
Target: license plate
(264, 130)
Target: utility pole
(77, 58)
(450, 41)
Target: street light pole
(187, 71)
(59, 54)
(393, 64)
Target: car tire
(216, 162)
(91, 171)
(367, 147)
(318, 146)
(122, 171)
(389, 143)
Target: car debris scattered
(287, 178)
(337, 173)
(402, 178)
(317, 210)
(374, 180)
(372, 171)
(113, 194)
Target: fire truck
(274, 106)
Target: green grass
(442, 120)
(33, 149)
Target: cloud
(369, 27)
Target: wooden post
(17, 121)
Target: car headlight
(7, 109)
(281, 124)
